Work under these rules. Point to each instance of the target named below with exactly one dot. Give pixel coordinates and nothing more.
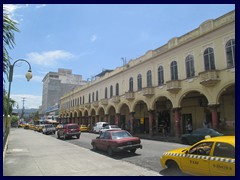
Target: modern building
(56, 84)
(189, 79)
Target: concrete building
(189, 79)
(56, 84)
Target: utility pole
(23, 99)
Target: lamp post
(10, 78)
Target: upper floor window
(106, 94)
(93, 97)
(160, 76)
(111, 91)
(117, 89)
(189, 62)
(230, 53)
(131, 84)
(89, 97)
(209, 63)
(149, 78)
(80, 100)
(96, 95)
(139, 82)
(83, 100)
(174, 70)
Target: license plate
(128, 143)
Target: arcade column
(177, 118)
(150, 115)
(117, 119)
(131, 122)
(213, 109)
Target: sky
(88, 38)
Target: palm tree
(9, 27)
(11, 104)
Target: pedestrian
(205, 124)
(189, 126)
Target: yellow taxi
(84, 128)
(31, 126)
(209, 157)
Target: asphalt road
(148, 157)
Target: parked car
(48, 129)
(109, 127)
(31, 126)
(26, 126)
(84, 128)
(68, 130)
(98, 126)
(116, 141)
(210, 157)
(198, 135)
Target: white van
(98, 126)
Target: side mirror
(186, 152)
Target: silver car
(48, 129)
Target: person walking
(189, 126)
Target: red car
(68, 130)
(116, 141)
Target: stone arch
(118, 109)
(137, 101)
(184, 93)
(223, 89)
(153, 104)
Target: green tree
(11, 103)
(9, 27)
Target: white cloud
(11, 9)
(31, 101)
(49, 58)
(40, 5)
(93, 38)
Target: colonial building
(189, 79)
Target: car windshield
(48, 125)
(72, 127)
(121, 135)
(114, 126)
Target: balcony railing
(174, 86)
(209, 78)
(148, 91)
(129, 95)
(104, 101)
(116, 99)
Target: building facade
(191, 79)
(56, 84)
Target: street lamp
(10, 78)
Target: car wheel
(94, 147)
(133, 150)
(53, 132)
(78, 136)
(172, 165)
(109, 151)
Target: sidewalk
(33, 154)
